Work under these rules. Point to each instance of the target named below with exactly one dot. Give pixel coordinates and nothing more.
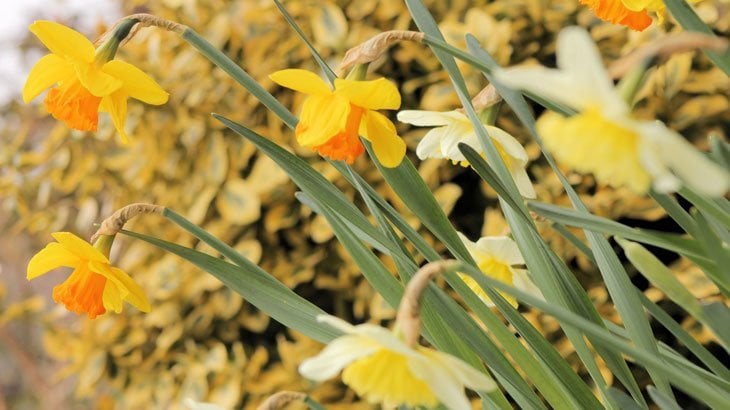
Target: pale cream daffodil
(452, 128)
(498, 257)
(603, 138)
(381, 367)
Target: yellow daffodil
(452, 128)
(497, 257)
(602, 137)
(95, 286)
(332, 120)
(618, 12)
(379, 366)
(86, 80)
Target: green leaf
(719, 253)
(662, 400)
(673, 242)
(659, 275)
(237, 73)
(257, 287)
(706, 205)
(690, 21)
(318, 58)
(720, 151)
(717, 317)
(688, 383)
(623, 400)
(685, 338)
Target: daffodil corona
(498, 258)
(454, 127)
(617, 12)
(332, 120)
(381, 367)
(86, 81)
(94, 286)
(603, 138)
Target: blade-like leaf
(257, 287)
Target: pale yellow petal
(429, 118)
(99, 83)
(54, 255)
(303, 81)
(338, 354)
(116, 106)
(79, 247)
(388, 146)
(323, 117)
(63, 41)
(49, 70)
(136, 83)
(378, 94)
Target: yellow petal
(378, 94)
(63, 41)
(49, 70)
(301, 80)
(116, 106)
(112, 298)
(136, 296)
(128, 289)
(51, 257)
(388, 146)
(79, 247)
(99, 83)
(323, 116)
(136, 83)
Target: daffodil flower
(618, 12)
(85, 81)
(332, 120)
(497, 257)
(95, 286)
(452, 128)
(602, 137)
(379, 366)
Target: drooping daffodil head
(85, 81)
(618, 12)
(453, 128)
(382, 368)
(332, 120)
(602, 137)
(499, 258)
(94, 286)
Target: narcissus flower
(617, 12)
(498, 258)
(94, 286)
(332, 120)
(602, 137)
(85, 81)
(379, 366)
(452, 128)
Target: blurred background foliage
(201, 340)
